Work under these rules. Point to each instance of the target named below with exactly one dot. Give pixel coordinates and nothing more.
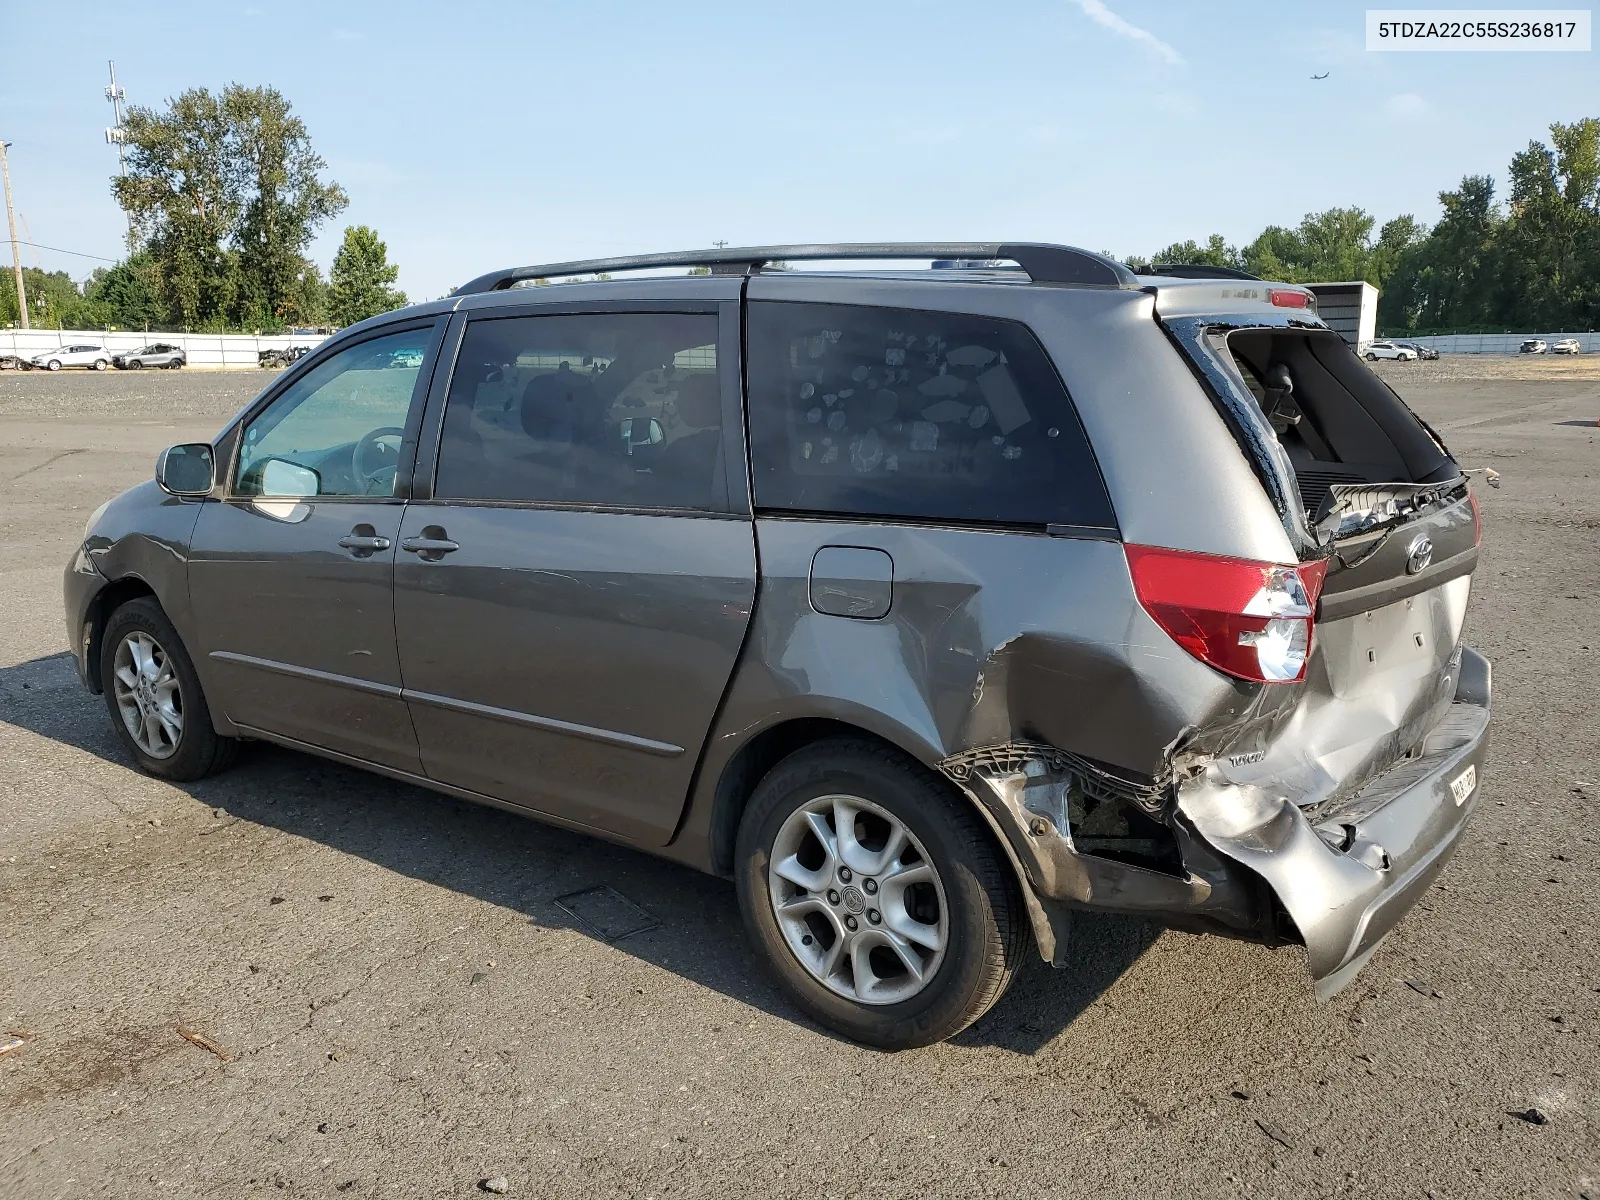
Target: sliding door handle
(422, 545)
(431, 546)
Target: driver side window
(337, 430)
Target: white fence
(1497, 343)
(206, 351)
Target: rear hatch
(1361, 482)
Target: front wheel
(54, 364)
(135, 364)
(175, 364)
(877, 896)
(154, 696)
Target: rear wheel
(1372, 358)
(154, 696)
(877, 896)
(100, 364)
(175, 364)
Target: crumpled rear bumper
(1347, 873)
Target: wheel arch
(760, 753)
(110, 598)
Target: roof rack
(1198, 271)
(1043, 262)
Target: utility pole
(116, 134)
(11, 222)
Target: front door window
(337, 431)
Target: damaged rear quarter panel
(990, 637)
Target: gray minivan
(929, 605)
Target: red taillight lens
(1289, 297)
(1250, 619)
(1477, 520)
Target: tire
(972, 897)
(175, 364)
(54, 364)
(197, 750)
(101, 364)
(135, 364)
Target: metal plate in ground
(606, 912)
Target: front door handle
(363, 540)
(431, 546)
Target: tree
(126, 290)
(358, 285)
(224, 194)
(1531, 265)
(1549, 264)
(1324, 247)
(54, 301)
(183, 194)
(289, 201)
(1215, 253)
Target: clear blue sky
(476, 135)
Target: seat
(690, 467)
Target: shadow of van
(525, 866)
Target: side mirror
(185, 470)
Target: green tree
(358, 285)
(54, 301)
(1215, 253)
(287, 202)
(1324, 247)
(184, 194)
(224, 193)
(1548, 262)
(126, 290)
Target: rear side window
(924, 415)
(616, 409)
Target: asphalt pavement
(298, 979)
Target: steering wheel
(372, 458)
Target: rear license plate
(1461, 786)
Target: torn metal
(1090, 837)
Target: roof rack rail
(1199, 271)
(1043, 262)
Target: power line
(59, 250)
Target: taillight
(1250, 619)
(1289, 297)
(1477, 519)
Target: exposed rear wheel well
(112, 597)
(756, 758)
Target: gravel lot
(402, 1009)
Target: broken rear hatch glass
(1384, 710)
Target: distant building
(1350, 309)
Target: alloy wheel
(858, 900)
(148, 695)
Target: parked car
(1425, 353)
(156, 354)
(12, 362)
(1533, 346)
(1566, 346)
(279, 357)
(928, 607)
(86, 354)
(1393, 350)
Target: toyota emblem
(1419, 555)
